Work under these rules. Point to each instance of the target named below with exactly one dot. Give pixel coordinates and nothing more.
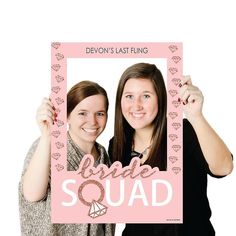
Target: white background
(206, 29)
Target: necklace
(144, 152)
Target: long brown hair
(82, 90)
(124, 132)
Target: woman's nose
(92, 119)
(138, 104)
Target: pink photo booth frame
(135, 193)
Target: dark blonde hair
(82, 90)
(123, 133)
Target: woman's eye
(101, 114)
(146, 96)
(129, 96)
(82, 113)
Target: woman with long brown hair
(140, 130)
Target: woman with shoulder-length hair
(87, 106)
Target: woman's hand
(36, 178)
(46, 116)
(214, 149)
(191, 98)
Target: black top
(196, 209)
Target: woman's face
(139, 103)
(88, 119)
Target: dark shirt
(196, 209)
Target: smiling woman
(87, 106)
(139, 103)
(140, 116)
(140, 131)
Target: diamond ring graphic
(96, 207)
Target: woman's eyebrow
(90, 111)
(146, 91)
(101, 111)
(127, 92)
(82, 110)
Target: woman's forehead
(138, 84)
(95, 103)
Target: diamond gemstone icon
(173, 92)
(173, 137)
(59, 56)
(176, 170)
(173, 48)
(173, 159)
(173, 114)
(56, 89)
(176, 59)
(173, 70)
(176, 148)
(56, 45)
(97, 209)
(176, 81)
